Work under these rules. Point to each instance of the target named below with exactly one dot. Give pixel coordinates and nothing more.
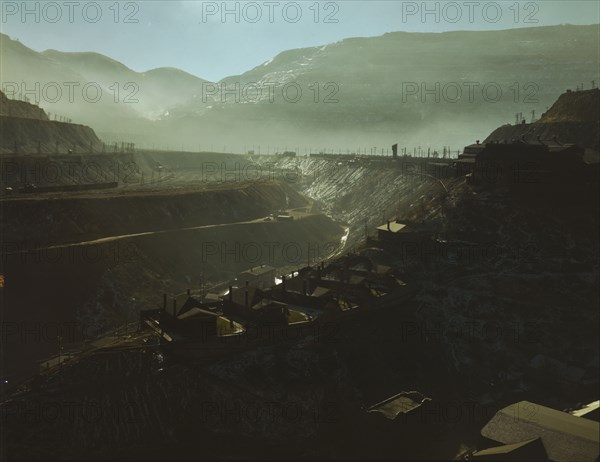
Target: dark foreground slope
(507, 311)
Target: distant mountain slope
(128, 99)
(403, 87)
(159, 88)
(428, 89)
(573, 118)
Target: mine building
(522, 164)
(189, 317)
(262, 276)
(399, 407)
(197, 322)
(400, 423)
(351, 285)
(252, 304)
(540, 433)
(305, 292)
(391, 230)
(465, 163)
(394, 230)
(204, 328)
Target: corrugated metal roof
(321, 291)
(258, 270)
(566, 438)
(402, 403)
(197, 313)
(394, 227)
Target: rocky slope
(33, 136)
(573, 118)
(22, 109)
(364, 194)
(26, 129)
(93, 216)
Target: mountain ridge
(367, 78)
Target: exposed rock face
(23, 109)
(365, 194)
(575, 106)
(573, 118)
(91, 216)
(26, 129)
(32, 136)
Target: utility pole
(58, 340)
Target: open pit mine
(177, 305)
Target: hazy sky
(195, 35)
